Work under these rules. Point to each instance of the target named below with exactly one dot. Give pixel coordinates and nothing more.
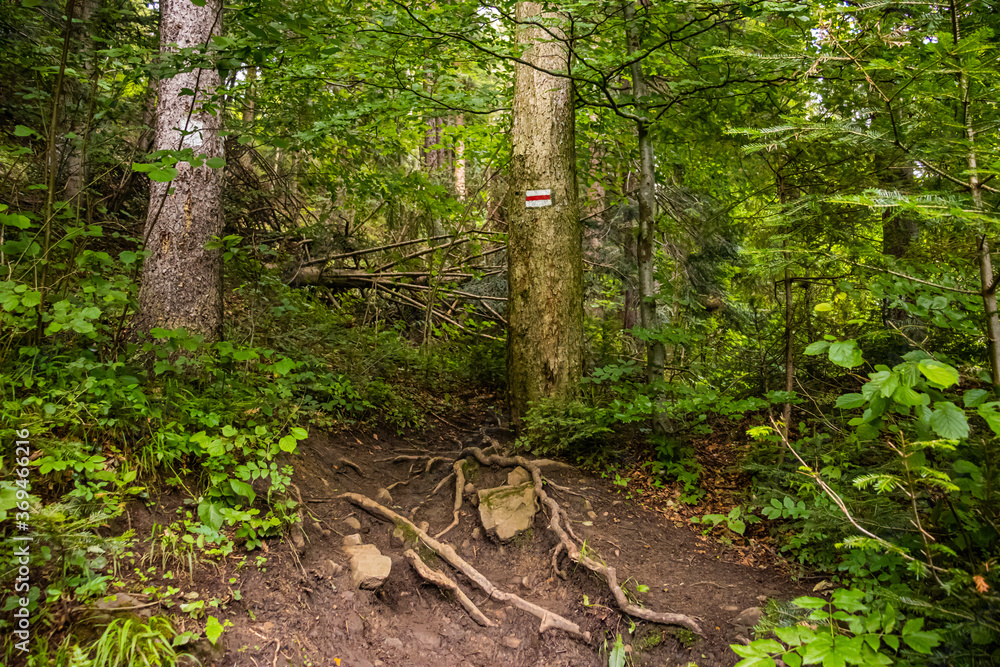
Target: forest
(470, 333)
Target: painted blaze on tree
(181, 280)
(545, 336)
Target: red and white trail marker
(537, 198)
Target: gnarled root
(459, 471)
(442, 580)
(549, 620)
(556, 513)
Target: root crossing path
(594, 564)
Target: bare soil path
(300, 608)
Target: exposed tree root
(570, 542)
(458, 470)
(549, 620)
(431, 461)
(351, 464)
(442, 580)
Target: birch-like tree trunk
(545, 255)
(181, 280)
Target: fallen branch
(442, 580)
(549, 620)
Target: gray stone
(369, 568)
(591, 515)
(427, 639)
(393, 642)
(507, 511)
(330, 569)
(352, 523)
(383, 496)
(477, 533)
(355, 624)
(510, 641)
(518, 476)
(352, 540)
(749, 617)
(470, 488)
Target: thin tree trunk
(460, 191)
(545, 307)
(181, 280)
(786, 414)
(76, 158)
(987, 280)
(655, 352)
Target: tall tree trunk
(181, 280)
(81, 97)
(545, 306)
(988, 282)
(655, 351)
(899, 231)
(460, 191)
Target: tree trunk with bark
(656, 354)
(181, 280)
(545, 307)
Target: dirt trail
(293, 612)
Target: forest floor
(299, 608)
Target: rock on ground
(369, 568)
(507, 511)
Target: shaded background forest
(825, 299)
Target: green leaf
(939, 373)
(22, 131)
(907, 396)
(975, 397)
(988, 411)
(243, 489)
(127, 257)
(807, 602)
(616, 658)
(923, 641)
(210, 515)
(31, 299)
(819, 347)
(298, 433)
(213, 629)
(948, 421)
(823, 307)
(846, 354)
(287, 444)
(283, 367)
(216, 162)
(851, 401)
(163, 174)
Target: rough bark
(181, 280)
(988, 281)
(545, 336)
(80, 99)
